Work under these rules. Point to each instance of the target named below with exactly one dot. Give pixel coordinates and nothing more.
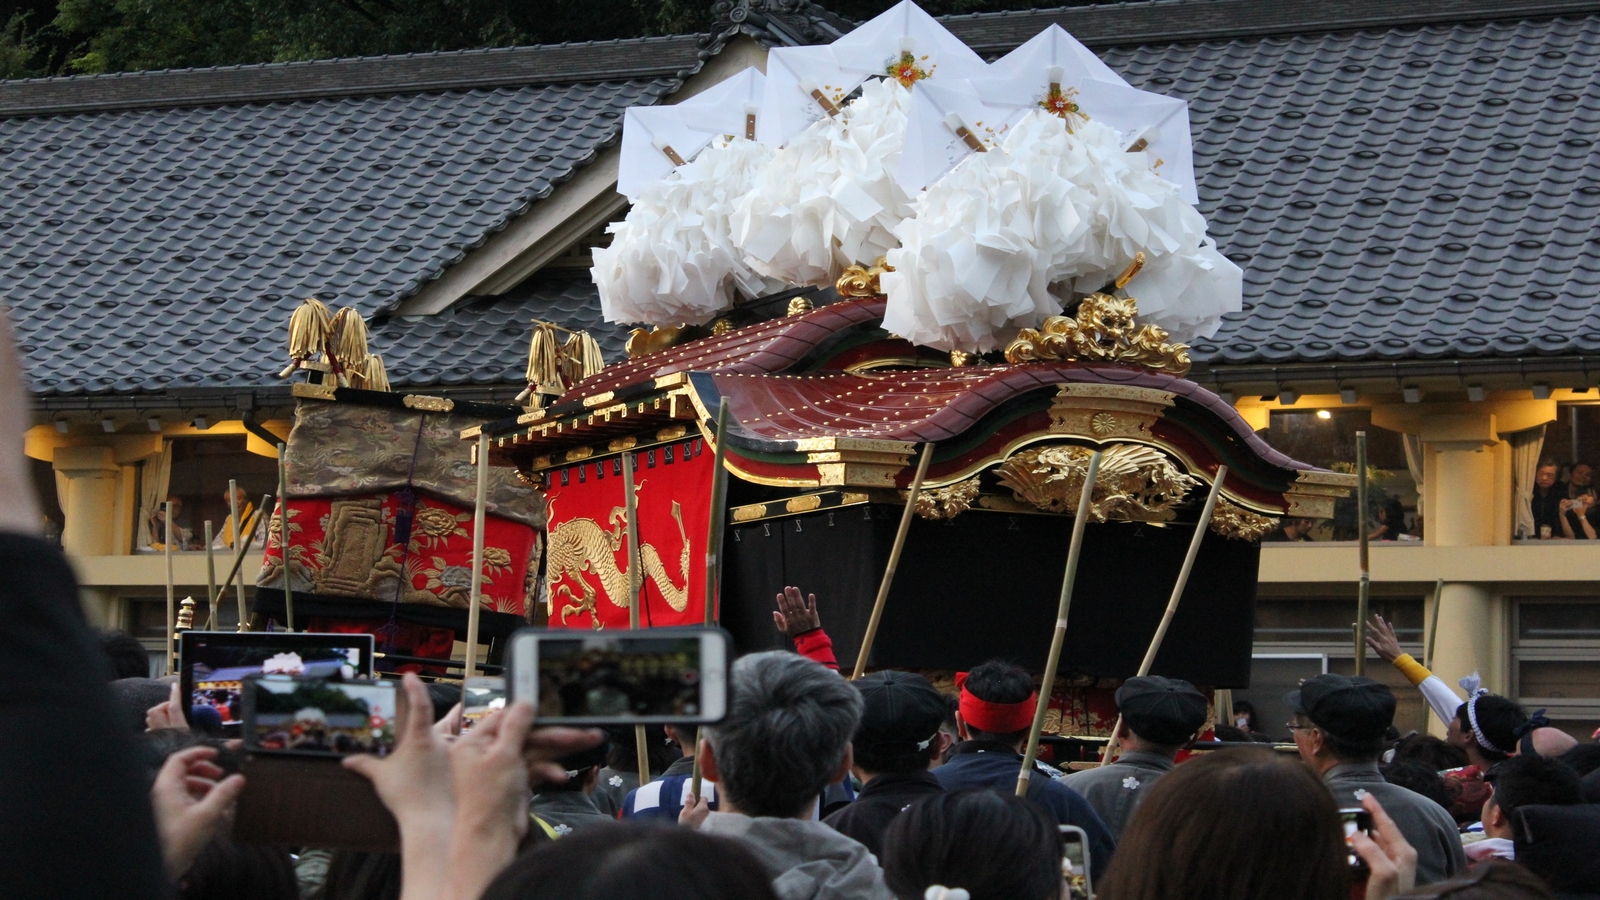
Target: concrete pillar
(92, 475)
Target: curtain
(154, 475)
(1413, 445)
(1525, 449)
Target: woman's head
(1238, 824)
(994, 846)
(626, 860)
(1244, 715)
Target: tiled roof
(1404, 193)
(152, 248)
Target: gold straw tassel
(347, 343)
(544, 361)
(308, 330)
(581, 357)
(376, 376)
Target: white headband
(1472, 684)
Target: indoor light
(1324, 414)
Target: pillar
(89, 500)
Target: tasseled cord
(308, 332)
(347, 344)
(373, 377)
(580, 357)
(544, 364)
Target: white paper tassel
(829, 198)
(672, 259)
(988, 240)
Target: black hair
(444, 696)
(624, 753)
(131, 698)
(360, 875)
(1417, 776)
(1346, 749)
(1498, 719)
(1583, 759)
(1532, 780)
(1436, 753)
(578, 765)
(128, 657)
(663, 862)
(892, 757)
(228, 871)
(997, 681)
(993, 845)
(1492, 879)
(1233, 734)
(1249, 709)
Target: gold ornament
(862, 281)
(1104, 331)
(308, 333)
(799, 306)
(641, 342)
(1240, 524)
(946, 502)
(1136, 483)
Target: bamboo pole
(1177, 594)
(235, 544)
(1433, 626)
(630, 499)
(906, 516)
(240, 548)
(211, 579)
(1074, 549)
(1363, 590)
(283, 531)
(719, 485)
(172, 612)
(479, 502)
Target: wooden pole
(1177, 594)
(240, 549)
(630, 500)
(719, 486)
(479, 502)
(906, 516)
(1433, 625)
(1074, 549)
(235, 544)
(283, 531)
(172, 612)
(211, 579)
(1363, 590)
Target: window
(1327, 438)
(201, 468)
(1299, 637)
(1555, 660)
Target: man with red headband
(996, 712)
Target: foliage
(53, 37)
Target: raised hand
(167, 714)
(1381, 638)
(795, 615)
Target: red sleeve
(815, 645)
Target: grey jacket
(1116, 789)
(807, 859)
(1424, 823)
(566, 811)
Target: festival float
(926, 290)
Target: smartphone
(1355, 819)
(319, 717)
(658, 675)
(1075, 862)
(484, 695)
(213, 665)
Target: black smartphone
(656, 675)
(1355, 820)
(213, 665)
(319, 717)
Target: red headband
(995, 718)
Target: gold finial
(862, 281)
(961, 358)
(1132, 270)
(799, 306)
(186, 614)
(722, 325)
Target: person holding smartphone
(1577, 514)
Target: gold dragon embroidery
(581, 545)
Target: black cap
(898, 707)
(1345, 706)
(1161, 710)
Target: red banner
(587, 564)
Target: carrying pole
(480, 500)
(172, 612)
(1362, 526)
(1074, 548)
(906, 516)
(719, 487)
(630, 499)
(1433, 625)
(237, 545)
(283, 532)
(1200, 529)
(211, 579)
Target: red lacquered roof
(770, 346)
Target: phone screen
(1075, 862)
(484, 695)
(214, 665)
(318, 717)
(632, 677)
(1355, 820)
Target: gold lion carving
(1105, 330)
(1135, 483)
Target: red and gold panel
(587, 566)
(345, 547)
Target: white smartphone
(657, 675)
(1075, 862)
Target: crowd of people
(1564, 507)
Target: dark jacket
(883, 798)
(1547, 509)
(1115, 790)
(567, 811)
(991, 764)
(1558, 844)
(1425, 824)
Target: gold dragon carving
(1104, 330)
(1240, 524)
(581, 545)
(1136, 483)
(946, 502)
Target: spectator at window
(1391, 521)
(1293, 528)
(1580, 480)
(1547, 497)
(182, 536)
(225, 537)
(1578, 515)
